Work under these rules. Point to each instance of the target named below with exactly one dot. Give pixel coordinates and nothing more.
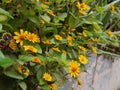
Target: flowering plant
(43, 41)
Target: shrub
(42, 42)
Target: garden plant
(43, 43)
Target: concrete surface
(103, 73)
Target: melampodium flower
(64, 51)
(30, 48)
(12, 45)
(82, 48)
(74, 69)
(43, 6)
(109, 33)
(56, 49)
(69, 40)
(80, 82)
(53, 86)
(23, 70)
(20, 37)
(58, 37)
(47, 77)
(37, 60)
(82, 12)
(112, 8)
(47, 42)
(82, 6)
(84, 33)
(97, 40)
(8, 1)
(83, 59)
(51, 13)
(32, 37)
(94, 50)
(42, 22)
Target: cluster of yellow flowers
(82, 8)
(25, 35)
(48, 77)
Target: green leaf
(39, 75)
(97, 27)
(46, 87)
(58, 1)
(46, 18)
(5, 61)
(14, 74)
(25, 58)
(62, 16)
(63, 57)
(1, 54)
(0, 27)
(34, 20)
(3, 18)
(2, 11)
(37, 46)
(83, 68)
(23, 85)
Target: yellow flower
(112, 8)
(46, 2)
(82, 48)
(23, 70)
(80, 82)
(47, 77)
(82, 12)
(32, 37)
(83, 59)
(42, 22)
(20, 37)
(58, 37)
(51, 13)
(37, 60)
(37, 0)
(53, 86)
(97, 40)
(84, 33)
(30, 48)
(47, 42)
(56, 49)
(74, 69)
(12, 45)
(8, 1)
(82, 6)
(64, 51)
(69, 39)
(43, 6)
(94, 50)
(109, 33)
(95, 30)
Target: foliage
(42, 42)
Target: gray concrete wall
(103, 73)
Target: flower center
(22, 37)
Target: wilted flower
(112, 8)
(23, 70)
(12, 45)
